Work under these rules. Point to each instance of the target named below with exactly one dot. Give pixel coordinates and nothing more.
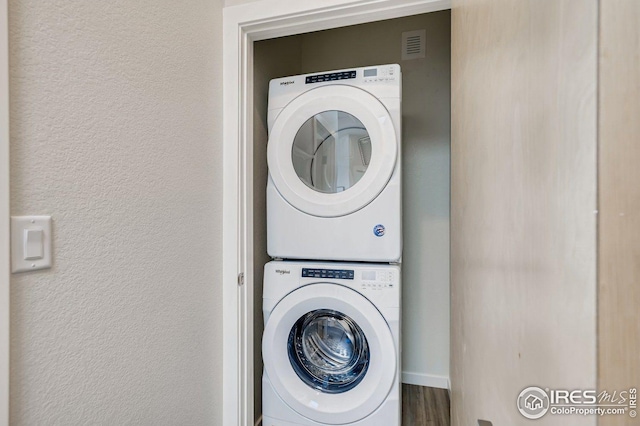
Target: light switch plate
(23, 260)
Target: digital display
(369, 275)
(371, 72)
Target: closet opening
(426, 136)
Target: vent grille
(413, 44)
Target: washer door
(332, 150)
(329, 353)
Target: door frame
(244, 24)
(5, 254)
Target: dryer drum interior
(331, 151)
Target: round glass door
(328, 351)
(331, 151)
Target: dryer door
(329, 353)
(332, 150)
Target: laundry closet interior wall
(426, 171)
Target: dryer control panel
(378, 74)
(381, 74)
(332, 76)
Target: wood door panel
(619, 201)
(523, 222)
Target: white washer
(331, 344)
(334, 188)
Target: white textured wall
(115, 132)
(228, 3)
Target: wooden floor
(425, 406)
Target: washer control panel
(342, 274)
(377, 279)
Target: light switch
(31, 242)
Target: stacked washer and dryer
(331, 297)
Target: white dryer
(334, 188)
(331, 344)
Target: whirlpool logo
(283, 271)
(379, 230)
(286, 83)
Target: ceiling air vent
(413, 44)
